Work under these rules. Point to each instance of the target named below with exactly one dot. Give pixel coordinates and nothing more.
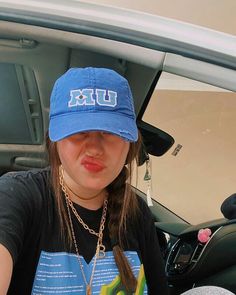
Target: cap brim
(71, 123)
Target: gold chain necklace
(80, 219)
(64, 189)
(100, 248)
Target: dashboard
(190, 262)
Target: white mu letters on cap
(102, 97)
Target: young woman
(77, 227)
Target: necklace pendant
(88, 290)
(101, 251)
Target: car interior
(31, 59)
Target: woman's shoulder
(24, 200)
(31, 182)
(143, 216)
(26, 176)
(142, 205)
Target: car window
(20, 110)
(198, 172)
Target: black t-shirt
(30, 230)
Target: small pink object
(204, 235)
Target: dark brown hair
(121, 206)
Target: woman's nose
(94, 144)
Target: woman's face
(92, 160)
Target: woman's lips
(92, 165)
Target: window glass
(194, 177)
(20, 110)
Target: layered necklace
(100, 248)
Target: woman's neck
(86, 197)
(92, 202)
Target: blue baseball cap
(92, 99)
